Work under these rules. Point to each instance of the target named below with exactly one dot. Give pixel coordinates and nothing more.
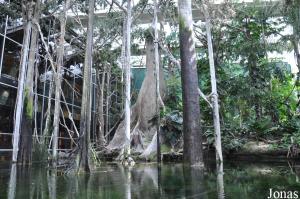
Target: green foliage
(246, 78)
(290, 131)
(13, 9)
(174, 98)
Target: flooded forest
(149, 99)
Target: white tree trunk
(20, 92)
(100, 115)
(108, 78)
(127, 76)
(156, 56)
(58, 80)
(85, 118)
(216, 116)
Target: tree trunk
(144, 111)
(192, 150)
(127, 77)
(21, 82)
(85, 118)
(108, 87)
(25, 151)
(48, 118)
(58, 80)
(156, 58)
(214, 92)
(100, 116)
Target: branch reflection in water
(113, 181)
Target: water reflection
(12, 182)
(194, 186)
(51, 177)
(220, 181)
(147, 181)
(128, 183)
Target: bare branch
(117, 4)
(204, 97)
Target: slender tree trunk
(85, 118)
(156, 55)
(100, 116)
(192, 151)
(25, 151)
(58, 80)
(215, 98)
(48, 118)
(127, 76)
(21, 82)
(123, 62)
(108, 87)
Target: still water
(238, 180)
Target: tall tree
(85, 118)
(25, 151)
(127, 76)
(192, 150)
(156, 57)
(27, 10)
(214, 91)
(58, 79)
(100, 102)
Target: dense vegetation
(258, 95)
